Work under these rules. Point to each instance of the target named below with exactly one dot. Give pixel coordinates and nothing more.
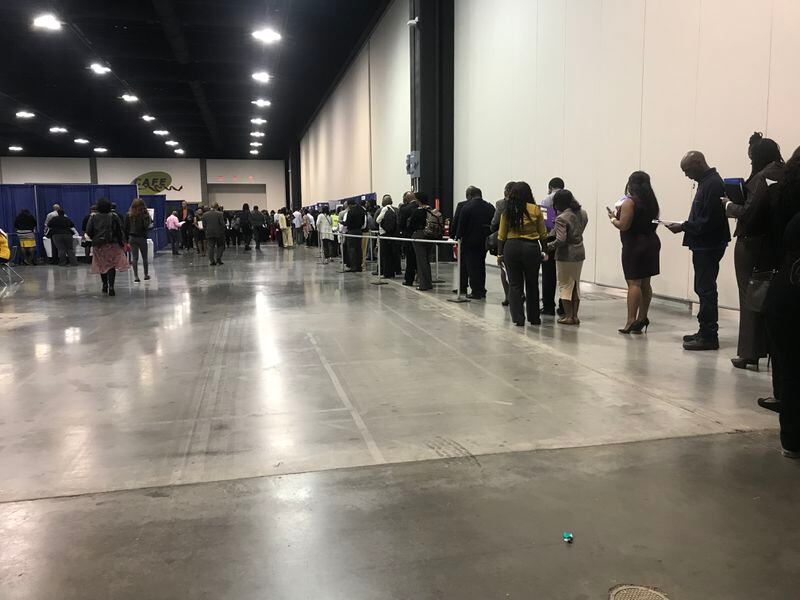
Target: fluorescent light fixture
(15, 148)
(261, 103)
(81, 141)
(99, 69)
(161, 132)
(58, 130)
(261, 76)
(258, 121)
(129, 98)
(267, 35)
(172, 143)
(100, 150)
(256, 134)
(47, 21)
(253, 151)
(179, 151)
(24, 114)
(256, 144)
(148, 118)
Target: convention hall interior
(399, 300)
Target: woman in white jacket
(325, 233)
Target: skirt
(569, 276)
(640, 255)
(27, 239)
(107, 257)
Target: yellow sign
(154, 182)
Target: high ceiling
(190, 63)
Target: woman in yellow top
(521, 245)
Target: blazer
(474, 223)
(568, 229)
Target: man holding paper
(706, 234)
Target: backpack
(434, 225)
(389, 222)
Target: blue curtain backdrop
(13, 198)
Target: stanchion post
(436, 278)
(459, 298)
(378, 281)
(341, 248)
(320, 255)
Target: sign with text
(154, 182)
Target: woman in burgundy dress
(107, 234)
(640, 247)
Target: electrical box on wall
(412, 164)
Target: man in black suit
(472, 228)
(404, 213)
(355, 221)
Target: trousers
(706, 269)
(63, 243)
(138, 246)
(216, 247)
(522, 259)
(474, 261)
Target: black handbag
(757, 289)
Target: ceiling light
(179, 151)
(261, 76)
(15, 148)
(256, 144)
(267, 35)
(253, 151)
(161, 132)
(148, 118)
(171, 143)
(261, 103)
(24, 114)
(99, 69)
(258, 121)
(47, 21)
(256, 134)
(129, 98)
(100, 150)
(58, 130)
(81, 141)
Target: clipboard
(734, 189)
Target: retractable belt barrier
(372, 235)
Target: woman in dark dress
(640, 247)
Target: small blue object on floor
(567, 537)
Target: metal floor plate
(636, 592)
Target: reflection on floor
(345, 440)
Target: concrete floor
(275, 429)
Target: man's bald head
(694, 165)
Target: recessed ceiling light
(261, 76)
(253, 151)
(129, 98)
(148, 118)
(161, 132)
(267, 35)
(100, 150)
(81, 141)
(256, 134)
(258, 121)
(58, 130)
(261, 103)
(171, 143)
(47, 21)
(256, 144)
(24, 114)
(15, 148)
(179, 151)
(99, 69)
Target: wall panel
(783, 123)
(23, 169)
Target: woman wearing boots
(108, 238)
(137, 224)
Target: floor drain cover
(636, 592)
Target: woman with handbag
(107, 234)
(751, 217)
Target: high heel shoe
(627, 330)
(637, 326)
(743, 363)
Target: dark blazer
(707, 227)
(403, 215)
(474, 223)
(214, 224)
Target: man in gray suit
(214, 226)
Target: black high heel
(626, 330)
(637, 326)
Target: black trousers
(784, 331)
(423, 252)
(328, 248)
(474, 261)
(706, 270)
(522, 259)
(389, 258)
(549, 284)
(353, 249)
(411, 263)
(174, 239)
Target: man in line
(54, 259)
(472, 229)
(173, 231)
(410, 205)
(706, 233)
(355, 219)
(297, 227)
(425, 224)
(387, 222)
(214, 226)
(549, 266)
(257, 222)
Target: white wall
(358, 141)
(591, 90)
(185, 173)
(272, 173)
(23, 169)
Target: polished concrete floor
(273, 428)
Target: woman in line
(60, 230)
(521, 247)
(25, 226)
(499, 209)
(137, 224)
(245, 226)
(751, 224)
(569, 252)
(640, 247)
(199, 232)
(325, 232)
(108, 238)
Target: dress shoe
(791, 453)
(691, 337)
(212, 264)
(504, 303)
(699, 344)
(548, 311)
(535, 322)
(770, 403)
(475, 297)
(742, 363)
(424, 289)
